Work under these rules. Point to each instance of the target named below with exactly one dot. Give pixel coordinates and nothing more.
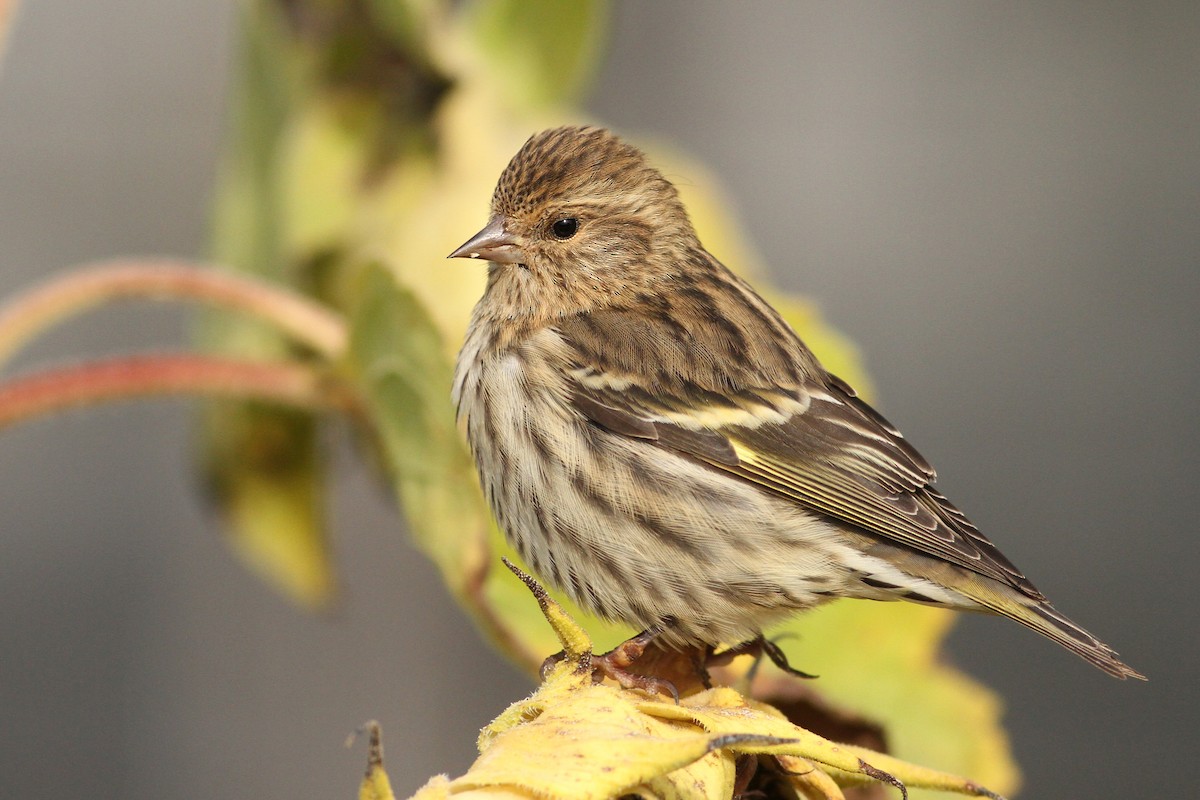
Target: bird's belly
(635, 532)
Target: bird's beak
(493, 243)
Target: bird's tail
(1043, 618)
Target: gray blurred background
(1000, 202)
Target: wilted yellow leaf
(578, 739)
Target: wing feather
(812, 441)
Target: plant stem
(8, 12)
(91, 285)
(287, 383)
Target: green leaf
(540, 52)
(265, 471)
(397, 362)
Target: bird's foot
(758, 647)
(615, 664)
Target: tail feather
(966, 590)
(1043, 618)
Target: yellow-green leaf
(540, 52)
(265, 471)
(399, 365)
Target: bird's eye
(565, 228)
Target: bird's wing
(815, 443)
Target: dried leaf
(577, 739)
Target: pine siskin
(658, 443)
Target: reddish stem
(90, 285)
(8, 11)
(132, 377)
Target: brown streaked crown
(578, 163)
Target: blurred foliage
(367, 135)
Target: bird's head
(580, 220)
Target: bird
(659, 444)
